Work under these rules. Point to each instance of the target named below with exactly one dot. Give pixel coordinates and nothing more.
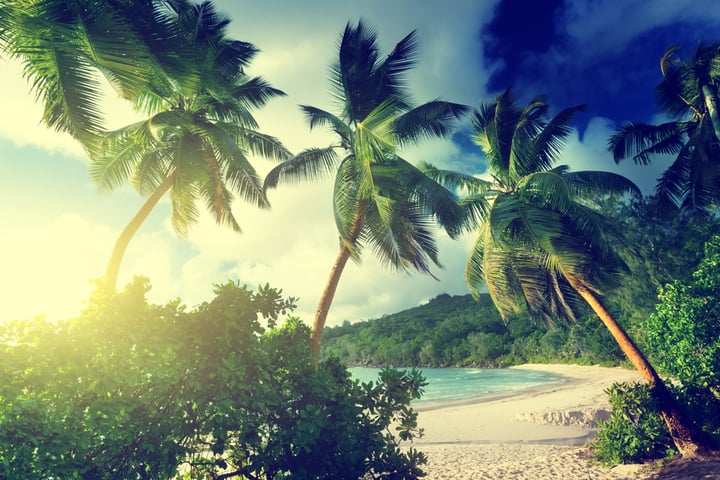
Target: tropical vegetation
(379, 199)
(128, 389)
(682, 334)
(540, 241)
(688, 96)
(174, 62)
(460, 331)
(200, 130)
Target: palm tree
(199, 130)
(65, 47)
(379, 198)
(540, 241)
(688, 94)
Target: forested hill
(459, 331)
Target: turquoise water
(458, 384)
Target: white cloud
(608, 26)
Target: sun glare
(47, 269)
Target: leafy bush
(684, 332)
(635, 430)
(138, 391)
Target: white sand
(535, 434)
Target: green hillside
(459, 331)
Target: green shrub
(635, 430)
(684, 332)
(131, 390)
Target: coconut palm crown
(380, 199)
(538, 232)
(688, 96)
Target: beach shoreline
(537, 433)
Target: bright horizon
(58, 231)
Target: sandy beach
(535, 434)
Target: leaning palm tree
(379, 198)
(688, 94)
(541, 244)
(200, 129)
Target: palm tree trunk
(712, 109)
(325, 301)
(688, 438)
(121, 244)
(329, 293)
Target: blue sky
(57, 230)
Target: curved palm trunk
(121, 244)
(688, 438)
(325, 301)
(331, 286)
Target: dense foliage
(459, 331)
(685, 326)
(684, 336)
(133, 390)
(635, 430)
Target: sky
(58, 230)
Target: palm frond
(430, 120)
(434, 199)
(241, 176)
(352, 73)
(404, 243)
(675, 184)
(549, 142)
(588, 182)
(455, 180)
(546, 190)
(678, 92)
(321, 118)
(254, 92)
(239, 173)
(122, 151)
(374, 137)
(498, 275)
(474, 272)
(183, 199)
(348, 208)
(640, 141)
(389, 76)
(69, 88)
(124, 57)
(259, 143)
(311, 164)
(155, 166)
(218, 198)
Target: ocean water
(460, 384)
